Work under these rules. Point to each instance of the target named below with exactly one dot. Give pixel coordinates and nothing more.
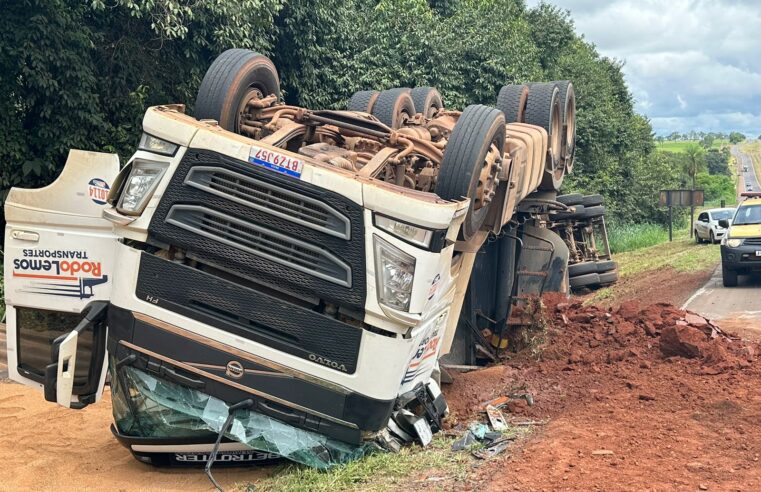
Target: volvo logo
(235, 369)
(327, 362)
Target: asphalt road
(749, 176)
(737, 308)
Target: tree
(717, 162)
(81, 74)
(736, 137)
(707, 141)
(696, 162)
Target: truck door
(57, 267)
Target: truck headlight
(140, 185)
(394, 274)
(414, 234)
(734, 243)
(155, 145)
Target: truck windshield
(748, 214)
(722, 214)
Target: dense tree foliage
(80, 74)
(717, 161)
(736, 137)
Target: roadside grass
(629, 237)
(683, 255)
(379, 471)
(681, 146)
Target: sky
(690, 64)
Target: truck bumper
(191, 451)
(169, 353)
(741, 259)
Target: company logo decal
(424, 353)
(235, 369)
(63, 273)
(97, 190)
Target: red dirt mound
(636, 397)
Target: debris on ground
(644, 389)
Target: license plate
(275, 161)
(423, 431)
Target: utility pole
(692, 201)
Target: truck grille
(271, 199)
(279, 232)
(262, 242)
(752, 241)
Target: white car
(707, 227)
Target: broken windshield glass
(148, 406)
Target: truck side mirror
(724, 223)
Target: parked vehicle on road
(285, 277)
(707, 227)
(741, 245)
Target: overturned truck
(282, 281)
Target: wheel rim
(251, 94)
(557, 142)
(487, 178)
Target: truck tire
(393, 107)
(577, 214)
(587, 280)
(463, 167)
(427, 101)
(543, 109)
(568, 103)
(592, 200)
(728, 277)
(363, 101)
(608, 278)
(571, 199)
(594, 212)
(583, 268)
(511, 100)
(232, 79)
(606, 266)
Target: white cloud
(690, 64)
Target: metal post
(671, 218)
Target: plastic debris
(478, 429)
(496, 418)
(464, 442)
(494, 448)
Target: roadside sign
(680, 198)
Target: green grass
(377, 472)
(629, 237)
(681, 146)
(683, 255)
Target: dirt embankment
(653, 286)
(636, 397)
